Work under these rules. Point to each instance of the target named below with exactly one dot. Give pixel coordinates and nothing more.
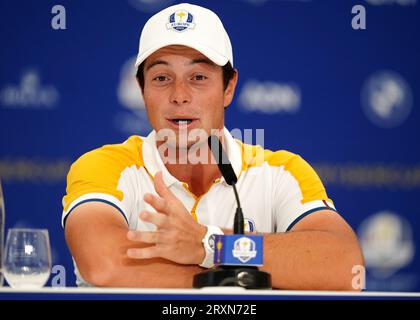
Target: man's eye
(199, 77)
(160, 78)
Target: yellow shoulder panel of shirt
(99, 170)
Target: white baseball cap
(189, 25)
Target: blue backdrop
(345, 99)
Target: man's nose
(180, 93)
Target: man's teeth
(182, 121)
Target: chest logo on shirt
(249, 225)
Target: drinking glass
(27, 258)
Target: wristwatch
(209, 245)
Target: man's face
(183, 90)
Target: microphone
(229, 175)
(237, 255)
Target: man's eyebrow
(203, 60)
(193, 61)
(156, 62)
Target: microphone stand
(238, 224)
(249, 277)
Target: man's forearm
(311, 260)
(153, 274)
(111, 267)
(97, 238)
(299, 260)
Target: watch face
(211, 241)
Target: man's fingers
(143, 236)
(158, 203)
(144, 253)
(161, 188)
(158, 219)
(171, 203)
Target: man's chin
(186, 144)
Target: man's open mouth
(182, 121)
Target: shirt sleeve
(96, 176)
(297, 191)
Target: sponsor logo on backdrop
(387, 243)
(386, 99)
(388, 2)
(150, 5)
(30, 93)
(129, 95)
(270, 97)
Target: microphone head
(222, 160)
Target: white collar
(153, 162)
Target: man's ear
(230, 89)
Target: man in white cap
(135, 216)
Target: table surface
(215, 293)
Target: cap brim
(209, 53)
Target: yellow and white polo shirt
(276, 189)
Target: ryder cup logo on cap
(186, 25)
(180, 21)
(244, 249)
